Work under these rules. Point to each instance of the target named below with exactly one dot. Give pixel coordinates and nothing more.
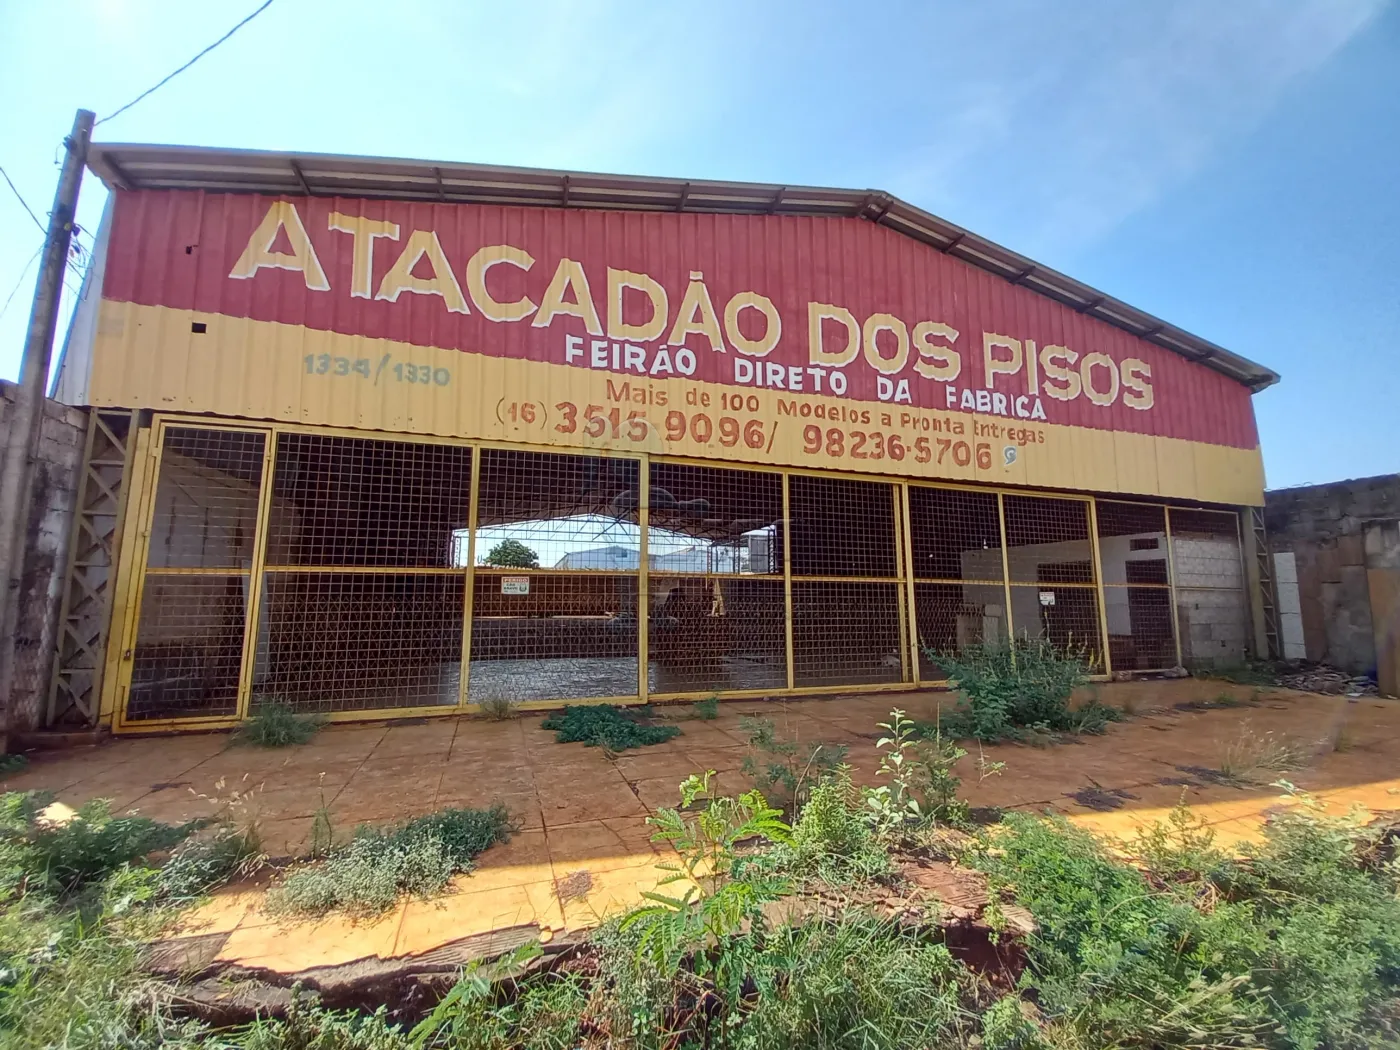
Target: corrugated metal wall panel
(172, 254)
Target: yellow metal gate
(360, 575)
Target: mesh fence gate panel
(386, 563)
(1137, 588)
(195, 597)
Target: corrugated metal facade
(230, 304)
(733, 449)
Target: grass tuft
(707, 710)
(273, 723)
(367, 875)
(1251, 754)
(606, 725)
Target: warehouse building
(387, 438)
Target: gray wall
(1341, 587)
(50, 523)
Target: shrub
(1005, 1027)
(1020, 686)
(707, 710)
(606, 725)
(1296, 945)
(66, 856)
(786, 771)
(273, 723)
(706, 832)
(366, 875)
(833, 839)
(856, 982)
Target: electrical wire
(20, 197)
(22, 275)
(160, 84)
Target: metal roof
(317, 174)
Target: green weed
(1297, 945)
(606, 725)
(707, 710)
(273, 723)
(64, 856)
(1024, 688)
(12, 764)
(706, 832)
(834, 838)
(367, 875)
(205, 861)
(786, 770)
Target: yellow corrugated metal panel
(260, 370)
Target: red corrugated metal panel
(177, 249)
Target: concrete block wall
(1290, 608)
(1327, 529)
(61, 439)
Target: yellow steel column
(787, 584)
(1171, 585)
(910, 595)
(897, 505)
(469, 592)
(255, 577)
(1098, 585)
(1006, 574)
(643, 576)
(130, 558)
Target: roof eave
(124, 166)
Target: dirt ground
(583, 849)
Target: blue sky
(1230, 167)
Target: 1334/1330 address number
(400, 371)
(873, 444)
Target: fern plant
(706, 831)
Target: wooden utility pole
(21, 453)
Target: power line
(22, 275)
(160, 84)
(20, 197)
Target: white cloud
(1060, 133)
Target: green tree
(512, 554)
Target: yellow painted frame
(131, 572)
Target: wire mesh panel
(339, 501)
(350, 636)
(551, 510)
(715, 633)
(959, 600)
(206, 505)
(355, 641)
(715, 622)
(1050, 558)
(841, 527)
(715, 520)
(189, 647)
(568, 634)
(846, 633)
(194, 605)
(553, 636)
(1212, 609)
(1137, 590)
